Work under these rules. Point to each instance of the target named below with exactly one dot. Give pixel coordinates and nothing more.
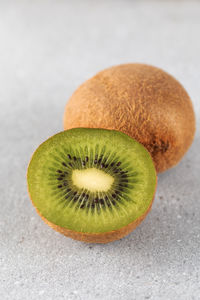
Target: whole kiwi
(142, 101)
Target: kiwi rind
(99, 238)
(87, 236)
(142, 101)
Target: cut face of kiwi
(92, 184)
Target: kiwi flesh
(93, 185)
(142, 101)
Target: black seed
(82, 205)
(75, 193)
(76, 198)
(59, 186)
(68, 190)
(65, 183)
(86, 158)
(74, 158)
(83, 163)
(114, 196)
(66, 197)
(102, 165)
(125, 180)
(106, 166)
(117, 192)
(93, 205)
(83, 194)
(59, 171)
(70, 164)
(69, 156)
(62, 175)
(106, 198)
(99, 161)
(108, 203)
(124, 176)
(101, 201)
(112, 164)
(64, 164)
(59, 178)
(87, 196)
(65, 173)
(121, 185)
(113, 202)
(119, 163)
(96, 200)
(95, 161)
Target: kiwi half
(93, 185)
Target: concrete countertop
(48, 48)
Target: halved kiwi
(93, 185)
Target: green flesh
(115, 187)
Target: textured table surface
(48, 48)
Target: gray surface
(47, 48)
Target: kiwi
(93, 185)
(142, 101)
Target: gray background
(48, 48)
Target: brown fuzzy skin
(100, 238)
(142, 101)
